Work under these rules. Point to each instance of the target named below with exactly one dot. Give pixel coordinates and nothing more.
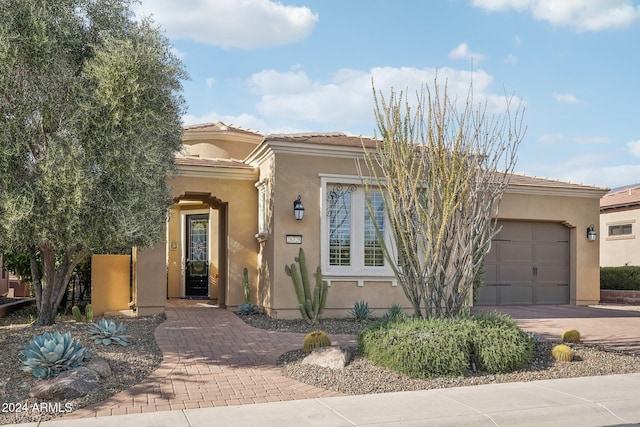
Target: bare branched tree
(445, 170)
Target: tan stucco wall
(150, 282)
(242, 246)
(110, 283)
(619, 250)
(577, 213)
(300, 175)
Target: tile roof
(218, 127)
(330, 138)
(534, 181)
(218, 163)
(629, 196)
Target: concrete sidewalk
(589, 401)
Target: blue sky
(307, 65)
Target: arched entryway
(198, 246)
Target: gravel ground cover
(363, 377)
(129, 364)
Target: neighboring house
(619, 222)
(4, 279)
(234, 200)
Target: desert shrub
(393, 313)
(361, 311)
(315, 339)
(620, 278)
(571, 336)
(500, 345)
(427, 348)
(419, 348)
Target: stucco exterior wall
(150, 280)
(619, 250)
(577, 213)
(110, 283)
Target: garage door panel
(490, 273)
(515, 295)
(515, 231)
(514, 273)
(552, 274)
(551, 294)
(488, 295)
(550, 232)
(514, 252)
(551, 252)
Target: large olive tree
(445, 165)
(90, 120)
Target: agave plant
(106, 331)
(49, 354)
(247, 308)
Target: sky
(308, 65)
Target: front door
(197, 262)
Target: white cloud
(210, 82)
(346, 98)
(604, 176)
(566, 98)
(517, 41)
(246, 24)
(634, 147)
(589, 15)
(511, 59)
(462, 51)
(589, 140)
(552, 139)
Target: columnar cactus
(311, 305)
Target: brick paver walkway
(212, 358)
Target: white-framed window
(350, 244)
(620, 230)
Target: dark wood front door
(197, 262)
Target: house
(619, 219)
(234, 208)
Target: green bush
(620, 278)
(419, 348)
(500, 345)
(427, 348)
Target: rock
(329, 357)
(70, 384)
(101, 366)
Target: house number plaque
(294, 239)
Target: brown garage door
(528, 264)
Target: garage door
(528, 264)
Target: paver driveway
(212, 358)
(615, 328)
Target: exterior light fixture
(591, 233)
(298, 209)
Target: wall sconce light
(298, 209)
(591, 233)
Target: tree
(445, 171)
(90, 121)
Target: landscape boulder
(69, 384)
(334, 357)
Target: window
(351, 244)
(620, 230)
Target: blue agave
(49, 354)
(248, 308)
(106, 331)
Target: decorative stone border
(619, 297)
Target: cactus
(49, 354)
(88, 313)
(311, 305)
(315, 339)
(245, 285)
(562, 353)
(75, 310)
(106, 331)
(571, 336)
